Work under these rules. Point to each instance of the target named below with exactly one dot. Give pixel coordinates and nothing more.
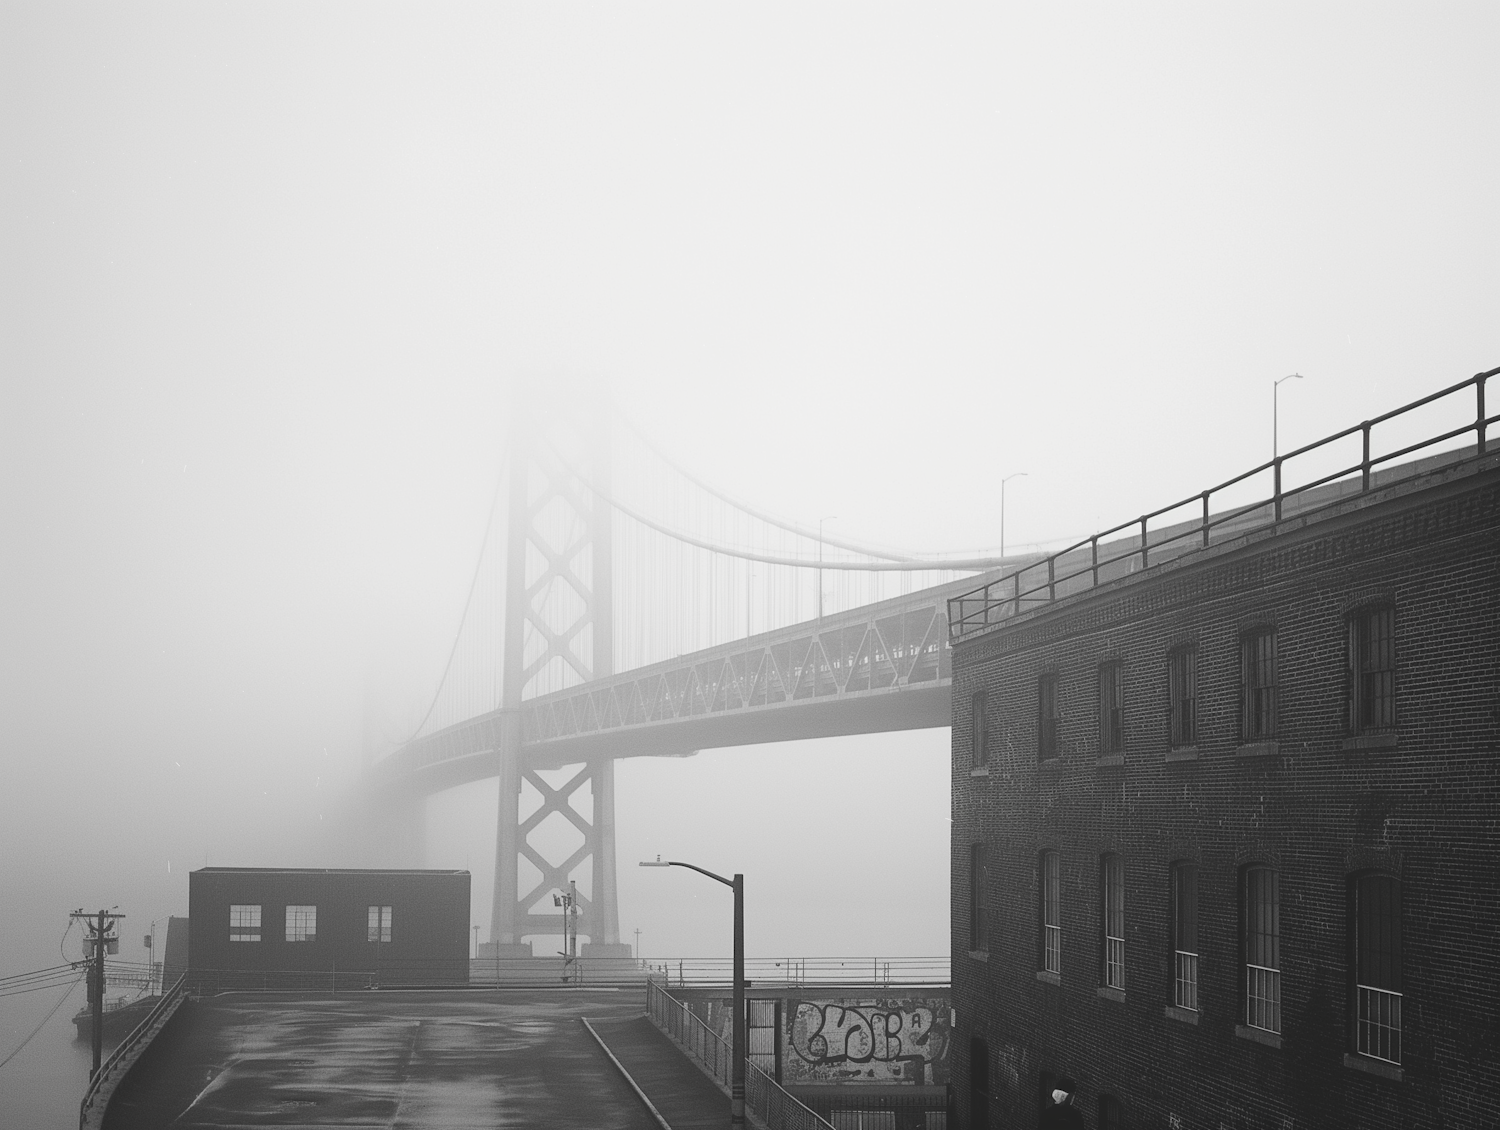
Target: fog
(271, 274)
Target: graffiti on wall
(866, 1040)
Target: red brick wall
(1427, 810)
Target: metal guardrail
(165, 1007)
(1079, 567)
(766, 1099)
(796, 971)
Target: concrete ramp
(685, 1097)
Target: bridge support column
(505, 930)
(606, 907)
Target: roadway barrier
(114, 1069)
(765, 1099)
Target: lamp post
(1275, 393)
(737, 1043)
(1017, 475)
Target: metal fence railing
(881, 972)
(765, 1099)
(122, 1056)
(1324, 476)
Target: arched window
(1375, 916)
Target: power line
(43, 1024)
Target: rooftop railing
(765, 1098)
(1327, 477)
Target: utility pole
(99, 941)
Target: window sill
(1108, 994)
(1384, 740)
(979, 955)
(1379, 1067)
(1048, 978)
(980, 771)
(1186, 1015)
(1183, 753)
(1259, 749)
(1259, 1035)
(1052, 762)
(1109, 760)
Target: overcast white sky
(268, 270)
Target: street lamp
(1275, 391)
(737, 1044)
(1017, 475)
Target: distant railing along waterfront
(793, 971)
(764, 1097)
(1080, 567)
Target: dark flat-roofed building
(1224, 828)
(318, 928)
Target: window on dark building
(1261, 915)
(302, 923)
(1258, 684)
(1051, 908)
(979, 1083)
(1111, 708)
(979, 898)
(981, 752)
(244, 923)
(1110, 1117)
(1182, 696)
(1112, 920)
(1372, 669)
(378, 924)
(1185, 935)
(1377, 966)
(1046, 720)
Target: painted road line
(634, 1086)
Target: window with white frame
(244, 923)
(378, 924)
(1051, 915)
(301, 923)
(1112, 920)
(1261, 912)
(1185, 935)
(1377, 967)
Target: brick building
(1225, 839)
(316, 928)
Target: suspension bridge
(622, 607)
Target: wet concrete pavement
(395, 1060)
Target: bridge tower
(557, 633)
